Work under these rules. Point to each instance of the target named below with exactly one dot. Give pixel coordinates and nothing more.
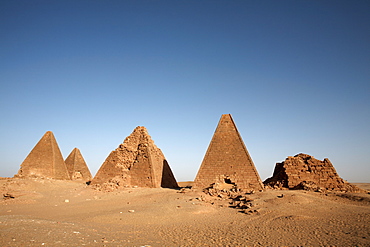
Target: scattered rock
(233, 197)
(8, 196)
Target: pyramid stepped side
(111, 170)
(70, 163)
(142, 171)
(227, 160)
(77, 166)
(116, 166)
(155, 165)
(45, 160)
(297, 171)
(151, 169)
(136, 162)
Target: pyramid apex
(226, 116)
(141, 128)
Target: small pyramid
(227, 160)
(76, 166)
(45, 160)
(136, 162)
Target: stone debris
(227, 160)
(304, 172)
(45, 160)
(231, 197)
(8, 196)
(137, 162)
(77, 167)
(184, 190)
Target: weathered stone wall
(136, 162)
(227, 160)
(142, 171)
(304, 170)
(77, 167)
(45, 160)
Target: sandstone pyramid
(45, 160)
(303, 171)
(227, 160)
(76, 166)
(136, 162)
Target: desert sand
(46, 212)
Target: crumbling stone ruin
(45, 160)
(136, 162)
(77, 167)
(227, 161)
(223, 196)
(303, 171)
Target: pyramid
(303, 171)
(227, 160)
(45, 160)
(77, 167)
(136, 162)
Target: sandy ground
(68, 213)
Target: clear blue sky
(295, 75)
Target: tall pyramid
(136, 162)
(227, 160)
(76, 166)
(45, 160)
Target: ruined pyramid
(227, 160)
(303, 171)
(76, 166)
(45, 160)
(136, 162)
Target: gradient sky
(295, 75)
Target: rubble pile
(224, 196)
(303, 171)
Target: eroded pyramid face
(136, 162)
(303, 171)
(227, 160)
(45, 160)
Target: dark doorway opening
(228, 181)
